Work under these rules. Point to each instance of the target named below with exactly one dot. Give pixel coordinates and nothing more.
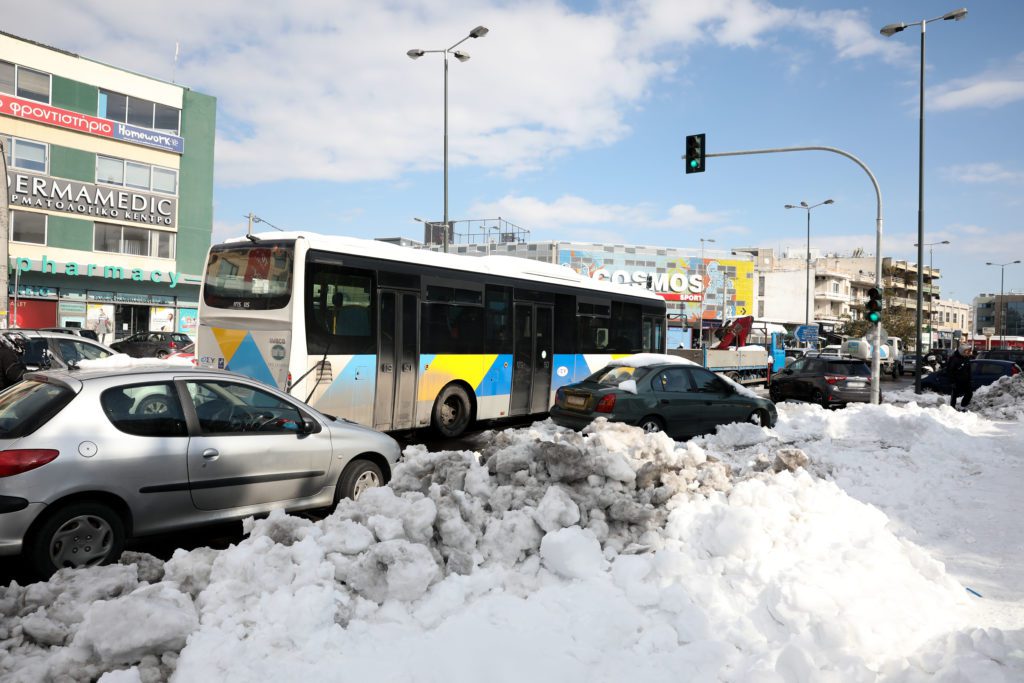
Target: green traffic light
(694, 163)
(874, 317)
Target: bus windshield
(249, 276)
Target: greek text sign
(86, 199)
(83, 123)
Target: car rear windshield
(249, 277)
(28, 405)
(615, 375)
(849, 369)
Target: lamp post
(803, 205)
(478, 32)
(931, 297)
(5, 238)
(890, 30)
(1002, 316)
(703, 287)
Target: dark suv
(826, 381)
(152, 344)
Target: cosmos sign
(83, 123)
(690, 288)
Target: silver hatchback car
(91, 457)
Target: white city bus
(399, 338)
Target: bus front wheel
(452, 411)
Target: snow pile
(643, 360)
(907, 395)
(1001, 400)
(605, 555)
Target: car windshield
(849, 369)
(28, 405)
(617, 374)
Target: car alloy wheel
(358, 477)
(651, 424)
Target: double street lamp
(890, 30)
(1002, 313)
(807, 283)
(931, 294)
(478, 32)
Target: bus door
(397, 354)
(531, 357)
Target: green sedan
(660, 394)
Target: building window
(123, 239)
(113, 171)
(138, 112)
(29, 227)
(25, 154)
(26, 83)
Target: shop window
(121, 172)
(166, 119)
(25, 154)
(136, 175)
(135, 241)
(162, 244)
(118, 239)
(109, 170)
(165, 180)
(27, 83)
(107, 238)
(138, 112)
(28, 227)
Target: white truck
(890, 354)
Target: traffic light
(695, 153)
(874, 305)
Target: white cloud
(571, 213)
(324, 90)
(990, 89)
(989, 172)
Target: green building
(111, 193)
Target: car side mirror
(307, 426)
(787, 371)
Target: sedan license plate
(855, 385)
(575, 401)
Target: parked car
(91, 457)
(910, 364)
(824, 380)
(43, 349)
(152, 344)
(682, 400)
(188, 352)
(1014, 355)
(77, 331)
(983, 372)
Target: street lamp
(889, 30)
(1002, 316)
(478, 32)
(931, 294)
(807, 283)
(704, 289)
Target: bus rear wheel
(452, 411)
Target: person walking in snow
(958, 369)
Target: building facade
(111, 193)
(999, 317)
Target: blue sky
(570, 118)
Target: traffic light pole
(875, 350)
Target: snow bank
(604, 555)
(643, 360)
(1001, 400)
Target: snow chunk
(556, 510)
(573, 553)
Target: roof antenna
(248, 233)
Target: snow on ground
(837, 546)
(122, 361)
